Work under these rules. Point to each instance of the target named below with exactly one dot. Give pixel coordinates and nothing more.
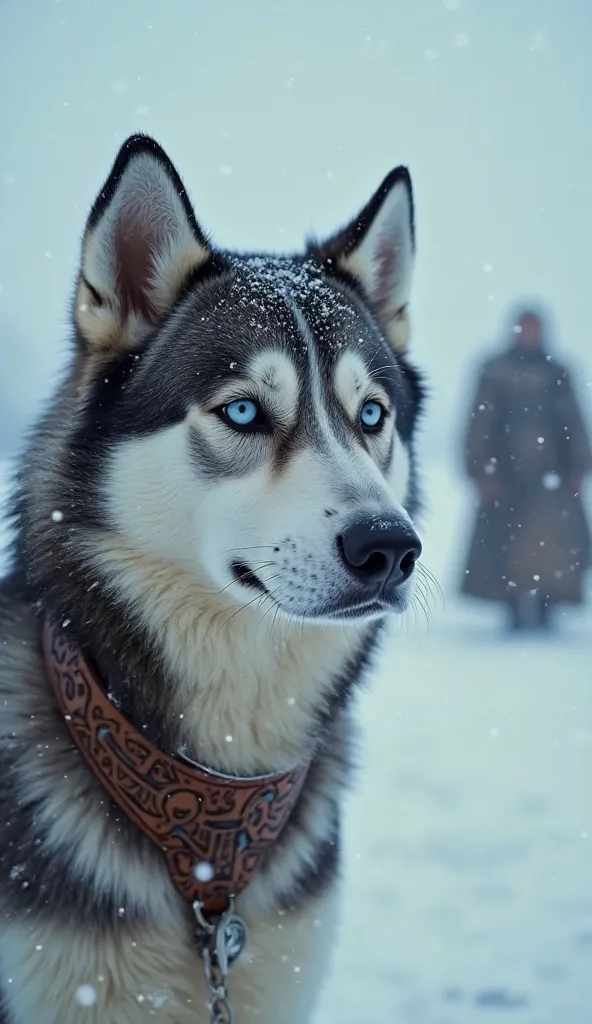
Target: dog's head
(250, 418)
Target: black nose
(378, 549)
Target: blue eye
(371, 417)
(243, 413)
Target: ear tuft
(141, 243)
(377, 251)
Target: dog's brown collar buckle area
(214, 830)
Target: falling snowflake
(551, 481)
(203, 871)
(86, 995)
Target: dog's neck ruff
(214, 830)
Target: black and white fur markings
(218, 506)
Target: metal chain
(220, 942)
(220, 1008)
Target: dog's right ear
(377, 252)
(141, 243)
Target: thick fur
(200, 569)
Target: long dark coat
(527, 450)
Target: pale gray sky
(284, 117)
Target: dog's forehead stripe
(322, 417)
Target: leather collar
(214, 830)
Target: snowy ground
(468, 875)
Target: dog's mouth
(360, 610)
(349, 608)
(246, 577)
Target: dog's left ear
(377, 251)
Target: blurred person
(527, 451)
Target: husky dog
(218, 508)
